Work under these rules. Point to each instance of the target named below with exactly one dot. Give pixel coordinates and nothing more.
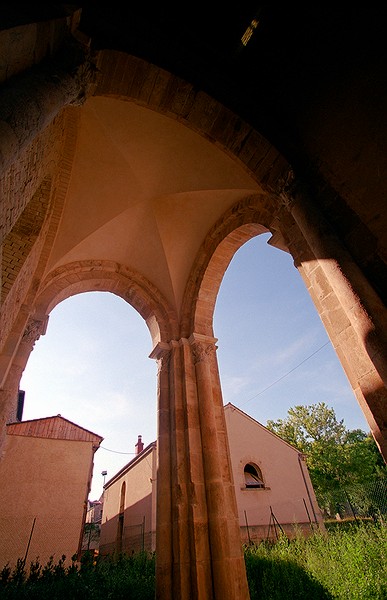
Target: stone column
(9, 393)
(183, 568)
(198, 546)
(227, 561)
(366, 314)
(164, 553)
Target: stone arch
(331, 291)
(107, 276)
(243, 221)
(189, 390)
(75, 278)
(87, 276)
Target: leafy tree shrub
(123, 577)
(339, 460)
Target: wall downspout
(300, 460)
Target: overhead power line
(256, 395)
(116, 451)
(288, 373)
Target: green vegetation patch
(347, 563)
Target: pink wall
(288, 493)
(139, 516)
(45, 480)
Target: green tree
(337, 458)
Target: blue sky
(92, 365)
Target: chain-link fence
(367, 501)
(135, 538)
(269, 521)
(31, 538)
(34, 538)
(91, 536)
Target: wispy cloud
(279, 360)
(234, 386)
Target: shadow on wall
(129, 531)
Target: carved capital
(202, 346)
(163, 362)
(286, 189)
(293, 192)
(35, 328)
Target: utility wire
(116, 451)
(256, 395)
(288, 373)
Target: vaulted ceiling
(296, 55)
(310, 77)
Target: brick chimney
(139, 446)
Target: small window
(253, 476)
(122, 499)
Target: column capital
(202, 346)
(34, 329)
(292, 191)
(199, 338)
(285, 189)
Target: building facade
(274, 493)
(47, 467)
(129, 505)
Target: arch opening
(93, 367)
(282, 355)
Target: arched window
(120, 522)
(253, 476)
(122, 499)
